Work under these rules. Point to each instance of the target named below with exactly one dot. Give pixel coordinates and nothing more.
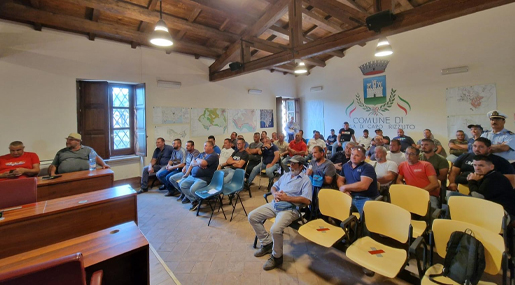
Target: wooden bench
(74, 183)
(122, 252)
(47, 222)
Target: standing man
(475, 131)
(237, 160)
(503, 140)
(199, 174)
(395, 154)
(405, 140)
(74, 157)
(457, 146)
(160, 158)
(175, 164)
(358, 179)
(296, 147)
(253, 151)
(291, 190)
(331, 139)
(386, 170)
(18, 163)
(191, 155)
(420, 174)
(439, 163)
(291, 129)
(345, 135)
(315, 141)
(365, 140)
(270, 154)
(438, 145)
(321, 168)
(216, 149)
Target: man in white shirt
(386, 170)
(395, 154)
(226, 152)
(316, 141)
(365, 140)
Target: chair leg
(238, 194)
(233, 207)
(153, 181)
(199, 204)
(223, 212)
(255, 242)
(212, 212)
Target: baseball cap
(297, 159)
(474, 126)
(378, 130)
(74, 136)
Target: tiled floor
(222, 253)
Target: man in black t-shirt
(270, 154)
(345, 135)
(406, 141)
(463, 166)
(238, 160)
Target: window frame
(124, 151)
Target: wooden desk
(122, 255)
(47, 222)
(74, 183)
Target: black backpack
(465, 259)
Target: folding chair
(382, 220)
(334, 204)
(212, 192)
(495, 253)
(480, 212)
(463, 189)
(234, 188)
(416, 201)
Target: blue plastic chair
(212, 191)
(234, 188)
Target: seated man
(264, 134)
(226, 151)
(341, 157)
(386, 170)
(438, 145)
(315, 141)
(371, 152)
(420, 174)
(199, 174)
(365, 140)
(386, 139)
(18, 163)
(238, 160)
(457, 146)
(439, 163)
(358, 179)
(404, 140)
(296, 147)
(331, 139)
(233, 139)
(243, 138)
(291, 190)
(175, 165)
(395, 154)
(464, 164)
(282, 145)
(270, 154)
(191, 155)
(254, 157)
(274, 137)
(322, 168)
(216, 149)
(74, 157)
(160, 158)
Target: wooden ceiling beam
(221, 8)
(144, 26)
(272, 15)
(193, 16)
(280, 32)
(95, 14)
(224, 24)
(340, 11)
(421, 16)
(295, 22)
(24, 13)
(136, 12)
(354, 4)
(267, 46)
(320, 21)
(37, 25)
(405, 4)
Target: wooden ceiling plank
(340, 11)
(222, 9)
(193, 16)
(224, 24)
(272, 15)
(421, 16)
(94, 17)
(145, 25)
(280, 32)
(357, 6)
(142, 14)
(315, 61)
(406, 4)
(295, 22)
(24, 13)
(320, 21)
(267, 46)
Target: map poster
(471, 100)
(242, 120)
(169, 133)
(171, 115)
(208, 121)
(266, 118)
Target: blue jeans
(172, 179)
(269, 171)
(359, 202)
(190, 185)
(166, 180)
(161, 174)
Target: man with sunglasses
(358, 179)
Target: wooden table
(74, 183)
(47, 222)
(122, 252)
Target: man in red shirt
(296, 147)
(420, 174)
(18, 162)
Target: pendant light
(161, 36)
(383, 48)
(300, 68)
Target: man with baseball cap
(475, 132)
(503, 140)
(74, 157)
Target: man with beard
(237, 160)
(342, 157)
(405, 140)
(254, 157)
(321, 168)
(191, 155)
(457, 146)
(175, 165)
(386, 170)
(270, 154)
(439, 163)
(395, 154)
(292, 189)
(438, 145)
(296, 147)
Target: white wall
(38, 73)
(480, 41)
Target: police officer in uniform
(503, 140)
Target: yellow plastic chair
(479, 212)
(493, 243)
(387, 220)
(334, 204)
(415, 200)
(463, 189)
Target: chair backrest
(64, 270)
(388, 220)
(463, 189)
(217, 181)
(17, 192)
(238, 178)
(411, 198)
(492, 242)
(479, 212)
(335, 204)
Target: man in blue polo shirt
(358, 179)
(216, 149)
